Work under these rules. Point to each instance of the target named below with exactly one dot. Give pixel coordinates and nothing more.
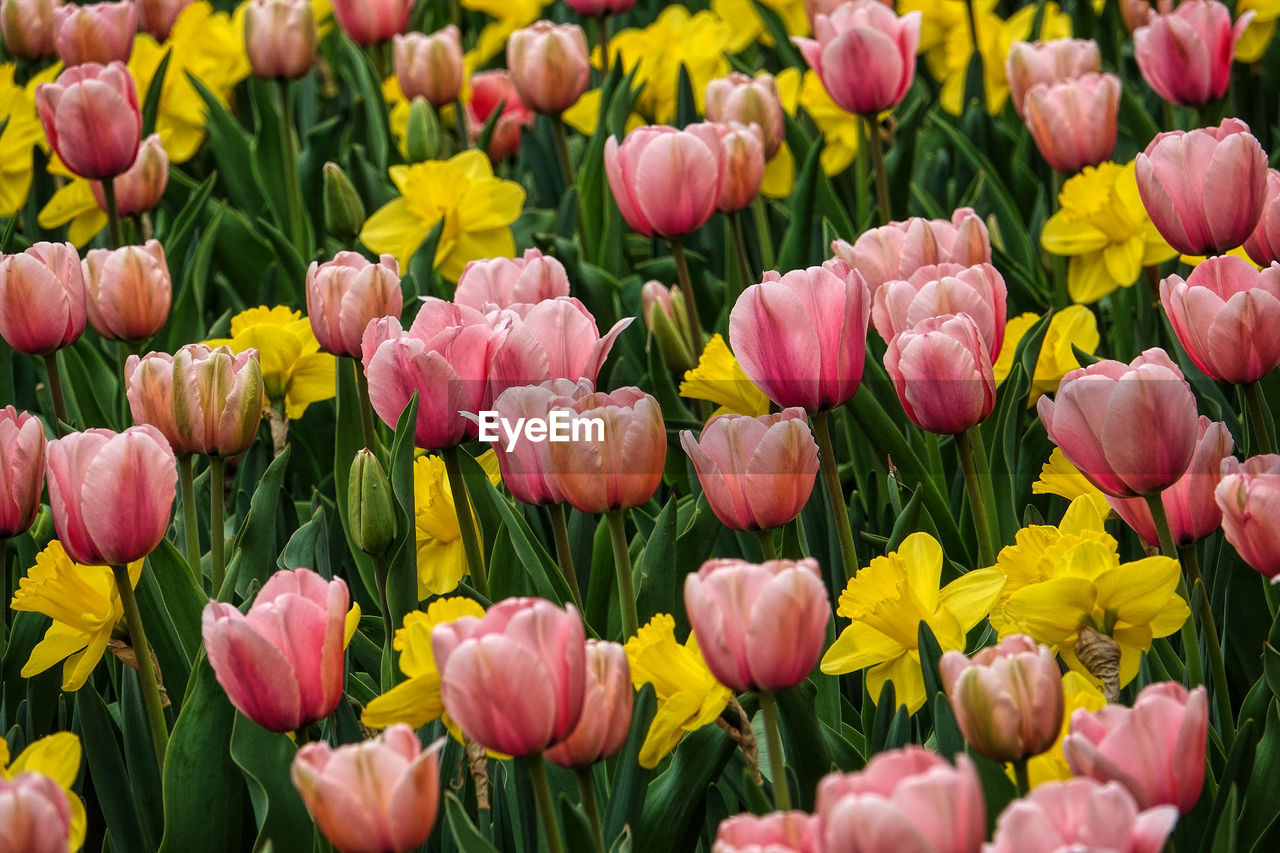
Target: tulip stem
(380, 579)
(764, 239)
(142, 657)
(190, 522)
(777, 762)
(622, 565)
(766, 544)
(217, 526)
(744, 264)
(367, 426)
(1221, 697)
(1257, 420)
(587, 789)
(1190, 642)
(297, 224)
(55, 391)
(466, 520)
(602, 40)
(564, 556)
(686, 287)
(1022, 777)
(967, 446)
(115, 231)
(570, 179)
(835, 493)
(876, 145)
(546, 808)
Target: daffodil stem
(835, 493)
(967, 446)
(1022, 777)
(1257, 420)
(876, 144)
(564, 556)
(152, 705)
(217, 533)
(766, 544)
(744, 264)
(55, 391)
(115, 231)
(570, 179)
(546, 808)
(691, 304)
(466, 520)
(622, 565)
(367, 426)
(777, 761)
(1190, 642)
(297, 224)
(1221, 697)
(587, 790)
(190, 522)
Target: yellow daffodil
(1073, 325)
(1063, 578)
(476, 207)
(294, 371)
(1104, 229)
(441, 559)
(58, 757)
(1060, 477)
(22, 133)
(719, 379)
(72, 202)
(84, 605)
(689, 697)
(841, 130)
(1257, 36)
(780, 170)
(1078, 693)
(887, 601)
(748, 26)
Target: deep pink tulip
(22, 447)
(802, 337)
(281, 663)
(742, 167)
(1031, 63)
(550, 65)
(35, 816)
(141, 188)
(128, 291)
(157, 17)
(606, 709)
(749, 100)
(552, 339)
(97, 32)
(941, 369)
(1189, 503)
(1073, 122)
(92, 119)
(757, 473)
(776, 832)
(1081, 814)
(1185, 55)
(623, 469)
(904, 799)
(1249, 497)
(666, 181)
(526, 465)
(28, 27)
(375, 796)
(600, 7)
(491, 90)
(42, 298)
(502, 282)
(98, 477)
(761, 626)
(1204, 189)
(897, 250)
(1007, 698)
(280, 38)
(1263, 245)
(1130, 429)
(371, 21)
(1154, 749)
(429, 66)
(345, 294)
(864, 54)
(523, 653)
(936, 291)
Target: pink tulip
(1029, 64)
(1130, 429)
(936, 291)
(742, 167)
(502, 282)
(897, 250)
(1154, 749)
(1007, 698)
(491, 90)
(35, 816)
(941, 369)
(1073, 122)
(666, 181)
(904, 799)
(526, 465)
(97, 32)
(1138, 13)
(802, 337)
(42, 298)
(1249, 497)
(280, 38)
(1263, 245)
(371, 21)
(759, 627)
(28, 27)
(1080, 814)
(748, 100)
(429, 66)
(777, 832)
(600, 7)
(864, 54)
(92, 119)
(550, 65)
(757, 473)
(97, 478)
(22, 447)
(157, 17)
(374, 796)
(141, 188)
(524, 653)
(606, 709)
(128, 291)
(1204, 190)
(552, 339)
(345, 294)
(617, 451)
(1189, 503)
(281, 663)
(1185, 55)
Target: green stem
(587, 790)
(691, 304)
(190, 522)
(622, 565)
(744, 263)
(766, 544)
(876, 144)
(1257, 420)
(368, 428)
(977, 53)
(546, 809)
(380, 579)
(602, 39)
(146, 672)
(114, 229)
(55, 392)
(1190, 642)
(466, 520)
(1221, 697)
(564, 556)
(297, 224)
(964, 447)
(1022, 777)
(835, 493)
(763, 235)
(777, 762)
(986, 489)
(570, 179)
(217, 531)
(460, 124)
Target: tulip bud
(942, 372)
(98, 32)
(1048, 62)
(606, 709)
(1073, 122)
(741, 168)
(1248, 496)
(423, 139)
(345, 294)
(141, 188)
(22, 450)
(550, 65)
(42, 298)
(28, 27)
(92, 119)
(344, 212)
(36, 812)
(668, 322)
(129, 291)
(280, 38)
(157, 17)
(429, 66)
(372, 516)
(739, 98)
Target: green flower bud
(344, 213)
(422, 137)
(371, 514)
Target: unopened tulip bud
(1030, 64)
(36, 814)
(741, 168)
(423, 139)
(668, 321)
(22, 450)
(129, 291)
(1249, 497)
(550, 65)
(157, 17)
(98, 32)
(372, 516)
(92, 119)
(141, 188)
(280, 38)
(606, 709)
(371, 21)
(42, 298)
(28, 27)
(344, 212)
(429, 66)
(739, 98)
(1073, 122)
(942, 372)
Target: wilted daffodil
(84, 605)
(58, 757)
(294, 371)
(1078, 692)
(719, 379)
(1059, 477)
(1074, 325)
(689, 697)
(887, 601)
(442, 561)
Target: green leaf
(265, 759)
(107, 769)
(253, 552)
(402, 558)
(802, 736)
(1236, 773)
(229, 144)
(673, 810)
(465, 835)
(151, 104)
(630, 781)
(171, 605)
(349, 438)
(365, 84)
(659, 581)
(796, 242)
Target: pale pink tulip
(92, 119)
(936, 291)
(1185, 55)
(1249, 497)
(1081, 814)
(371, 21)
(1073, 122)
(550, 65)
(1263, 245)
(28, 27)
(345, 294)
(552, 339)
(941, 370)
(429, 66)
(742, 168)
(864, 54)
(141, 188)
(42, 298)
(606, 709)
(666, 181)
(35, 816)
(128, 291)
(749, 100)
(280, 38)
(22, 449)
(899, 249)
(95, 32)
(776, 832)
(502, 282)
(157, 17)
(526, 465)
(1031, 63)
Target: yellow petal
(1088, 279)
(56, 756)
(311, 380)
(1064, 234)
(414, 702)
(780, 174)
(971, 596)
(667, 728)
(859, 646)
(1052, 611)
(907, 677)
